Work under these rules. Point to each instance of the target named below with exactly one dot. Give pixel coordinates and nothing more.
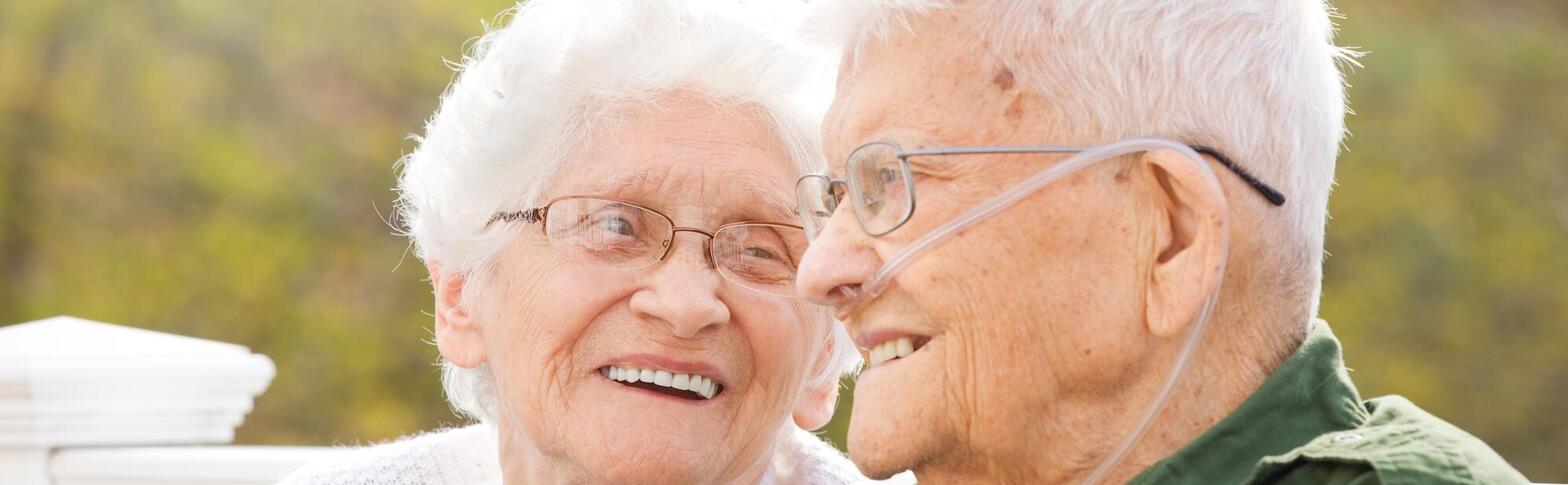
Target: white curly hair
(532, 90)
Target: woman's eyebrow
(757, 204)
(778, 211)
(619, 184)
(772, 210)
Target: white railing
(84, 402)
(179, 465)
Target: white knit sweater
(468, 456)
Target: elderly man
(1019, 332)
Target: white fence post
(67, 382)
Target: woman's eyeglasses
(612, 233)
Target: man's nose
(837, 262)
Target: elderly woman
(603, 201)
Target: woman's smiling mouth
(686, 386)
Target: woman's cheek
(533, 343)
(782, 369)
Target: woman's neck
(522, 462)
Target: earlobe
(816, 405)
(458, 335)
(1191, 239)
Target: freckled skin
(548, 324)
(1001, 299)
(1004, 79)
(1015, 110)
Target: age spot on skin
(1004, 79)
(1015, 110)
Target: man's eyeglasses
(879, 183)
(612, 233)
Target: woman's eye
(617, 225)
(760, 253)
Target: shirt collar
(1308, 395)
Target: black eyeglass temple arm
(1274, 196)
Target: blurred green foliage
(222, 170)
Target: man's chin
(881, 451)
(899, 421)
(875, 469)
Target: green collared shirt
(1307, 424)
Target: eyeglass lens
(614, 234)
(879, 187)
(816, 200)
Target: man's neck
(1233, 362)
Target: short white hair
(530, 92)
(1256, 79)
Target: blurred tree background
(223, 170)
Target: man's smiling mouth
(685, 386)
(897, 348)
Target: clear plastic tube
(879, 281)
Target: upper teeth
(703, 386)
(892, 349)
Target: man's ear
(816, 405)
(458, 335)
(1192, 236)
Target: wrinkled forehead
(696, 194)
(932, 82)
(698, 163)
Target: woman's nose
(682, 292)
(837, 262)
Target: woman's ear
(458, 335)
(1192, 236)
(816, 405)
